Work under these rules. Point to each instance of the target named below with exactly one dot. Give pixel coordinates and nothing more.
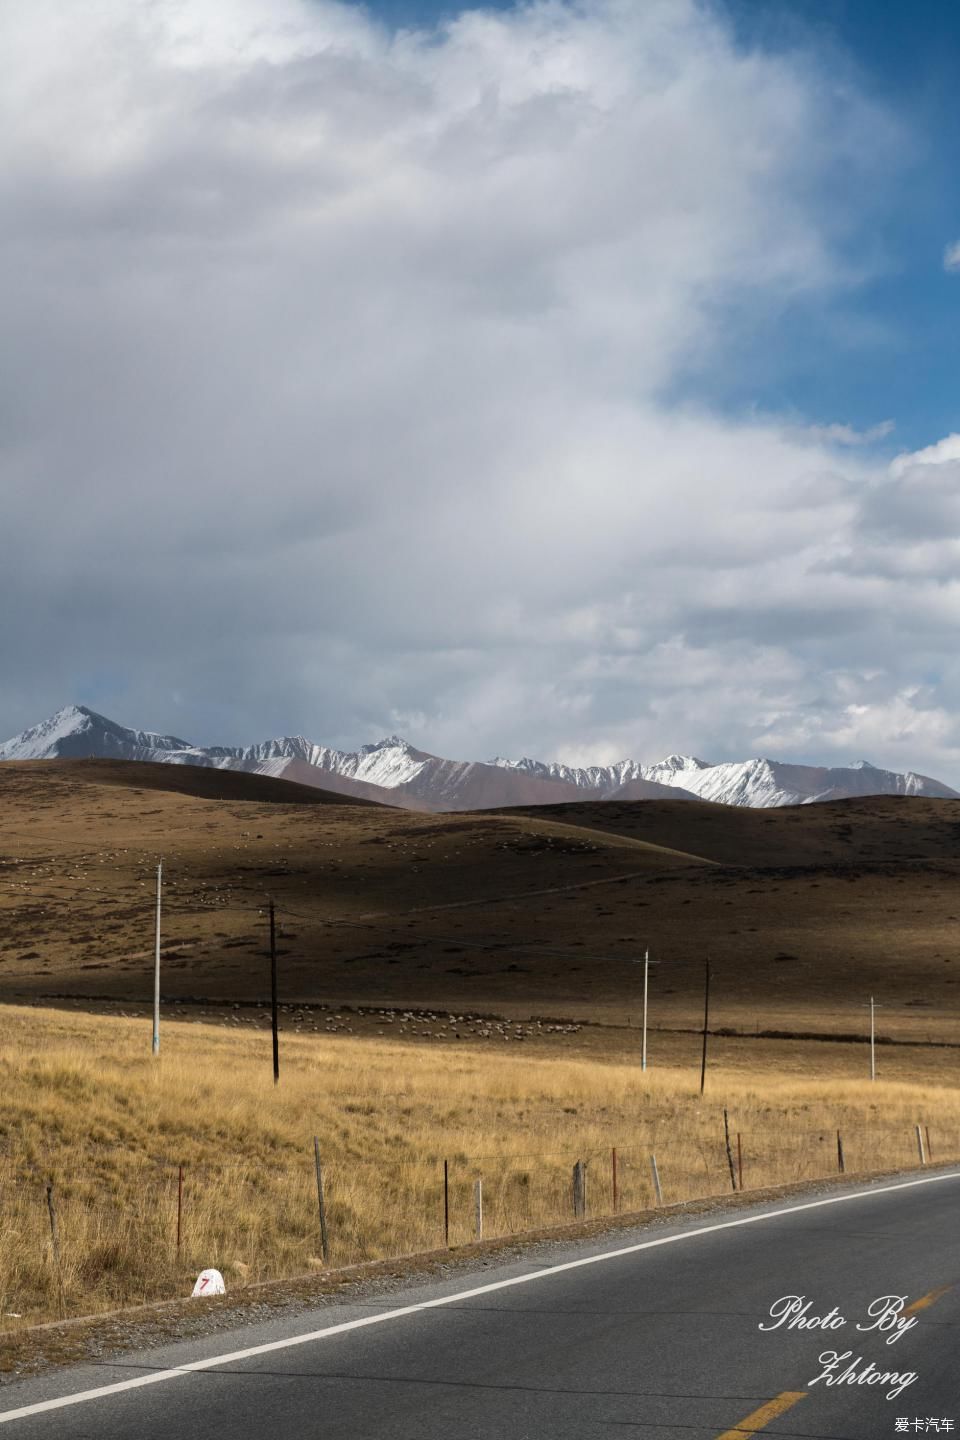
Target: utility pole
(647, 962)
(646, 978)
(156, 968)
(273, 996)
(706, 1023)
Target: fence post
(840, 1165)
(739, 1160)
(446, 1203)
(55, 1239)
(579, 1190)
(656, 1179)
(920, 1152)
(478, 1207)
(324, 1247)
(179, 1208)
(926, 1129)
(616, 1187)
(726, 1138)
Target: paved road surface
(651, 1334)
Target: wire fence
(78, 1244)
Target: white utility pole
(647, 962)
(156, 969)
(646, 978)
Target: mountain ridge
(395, 772)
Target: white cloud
(335, 376)
(939, 453)
(838, 434)
(951, 256)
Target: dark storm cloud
(331, 378)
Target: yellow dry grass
(83, 1105)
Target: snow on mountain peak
(76, 732)
(41, 740)
(391, 742)
(681, 762)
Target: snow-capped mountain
(396, 773)
(758, 784)
(76, 732)
(607, 779)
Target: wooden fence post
(726, 1139)
(446, 1203)
(926, 1129)
(324, 1247)
(55, 1240)
(840, 1164)
(478, 1207)
(616, 1187)
(579, 1190)
(179, 1208)
(920, 1151)
(739, 1160)
(656, 1179)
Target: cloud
(334, 376)
(838, 434)
(951, 257)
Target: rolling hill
(804, 911)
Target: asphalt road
(654, 1333)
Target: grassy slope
(83, 1104)
(803, 912)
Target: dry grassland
(83, 1104)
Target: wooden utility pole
(273, 997)
(706, 1024)
(156, 968)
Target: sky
(574, 378)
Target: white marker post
(209, 1282)
(156, 970)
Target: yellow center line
(926, 1300)
(764, 1415)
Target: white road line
(157, 1376)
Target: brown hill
(650, 790)
(202, 782)
(804, 912)
(887, 829)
